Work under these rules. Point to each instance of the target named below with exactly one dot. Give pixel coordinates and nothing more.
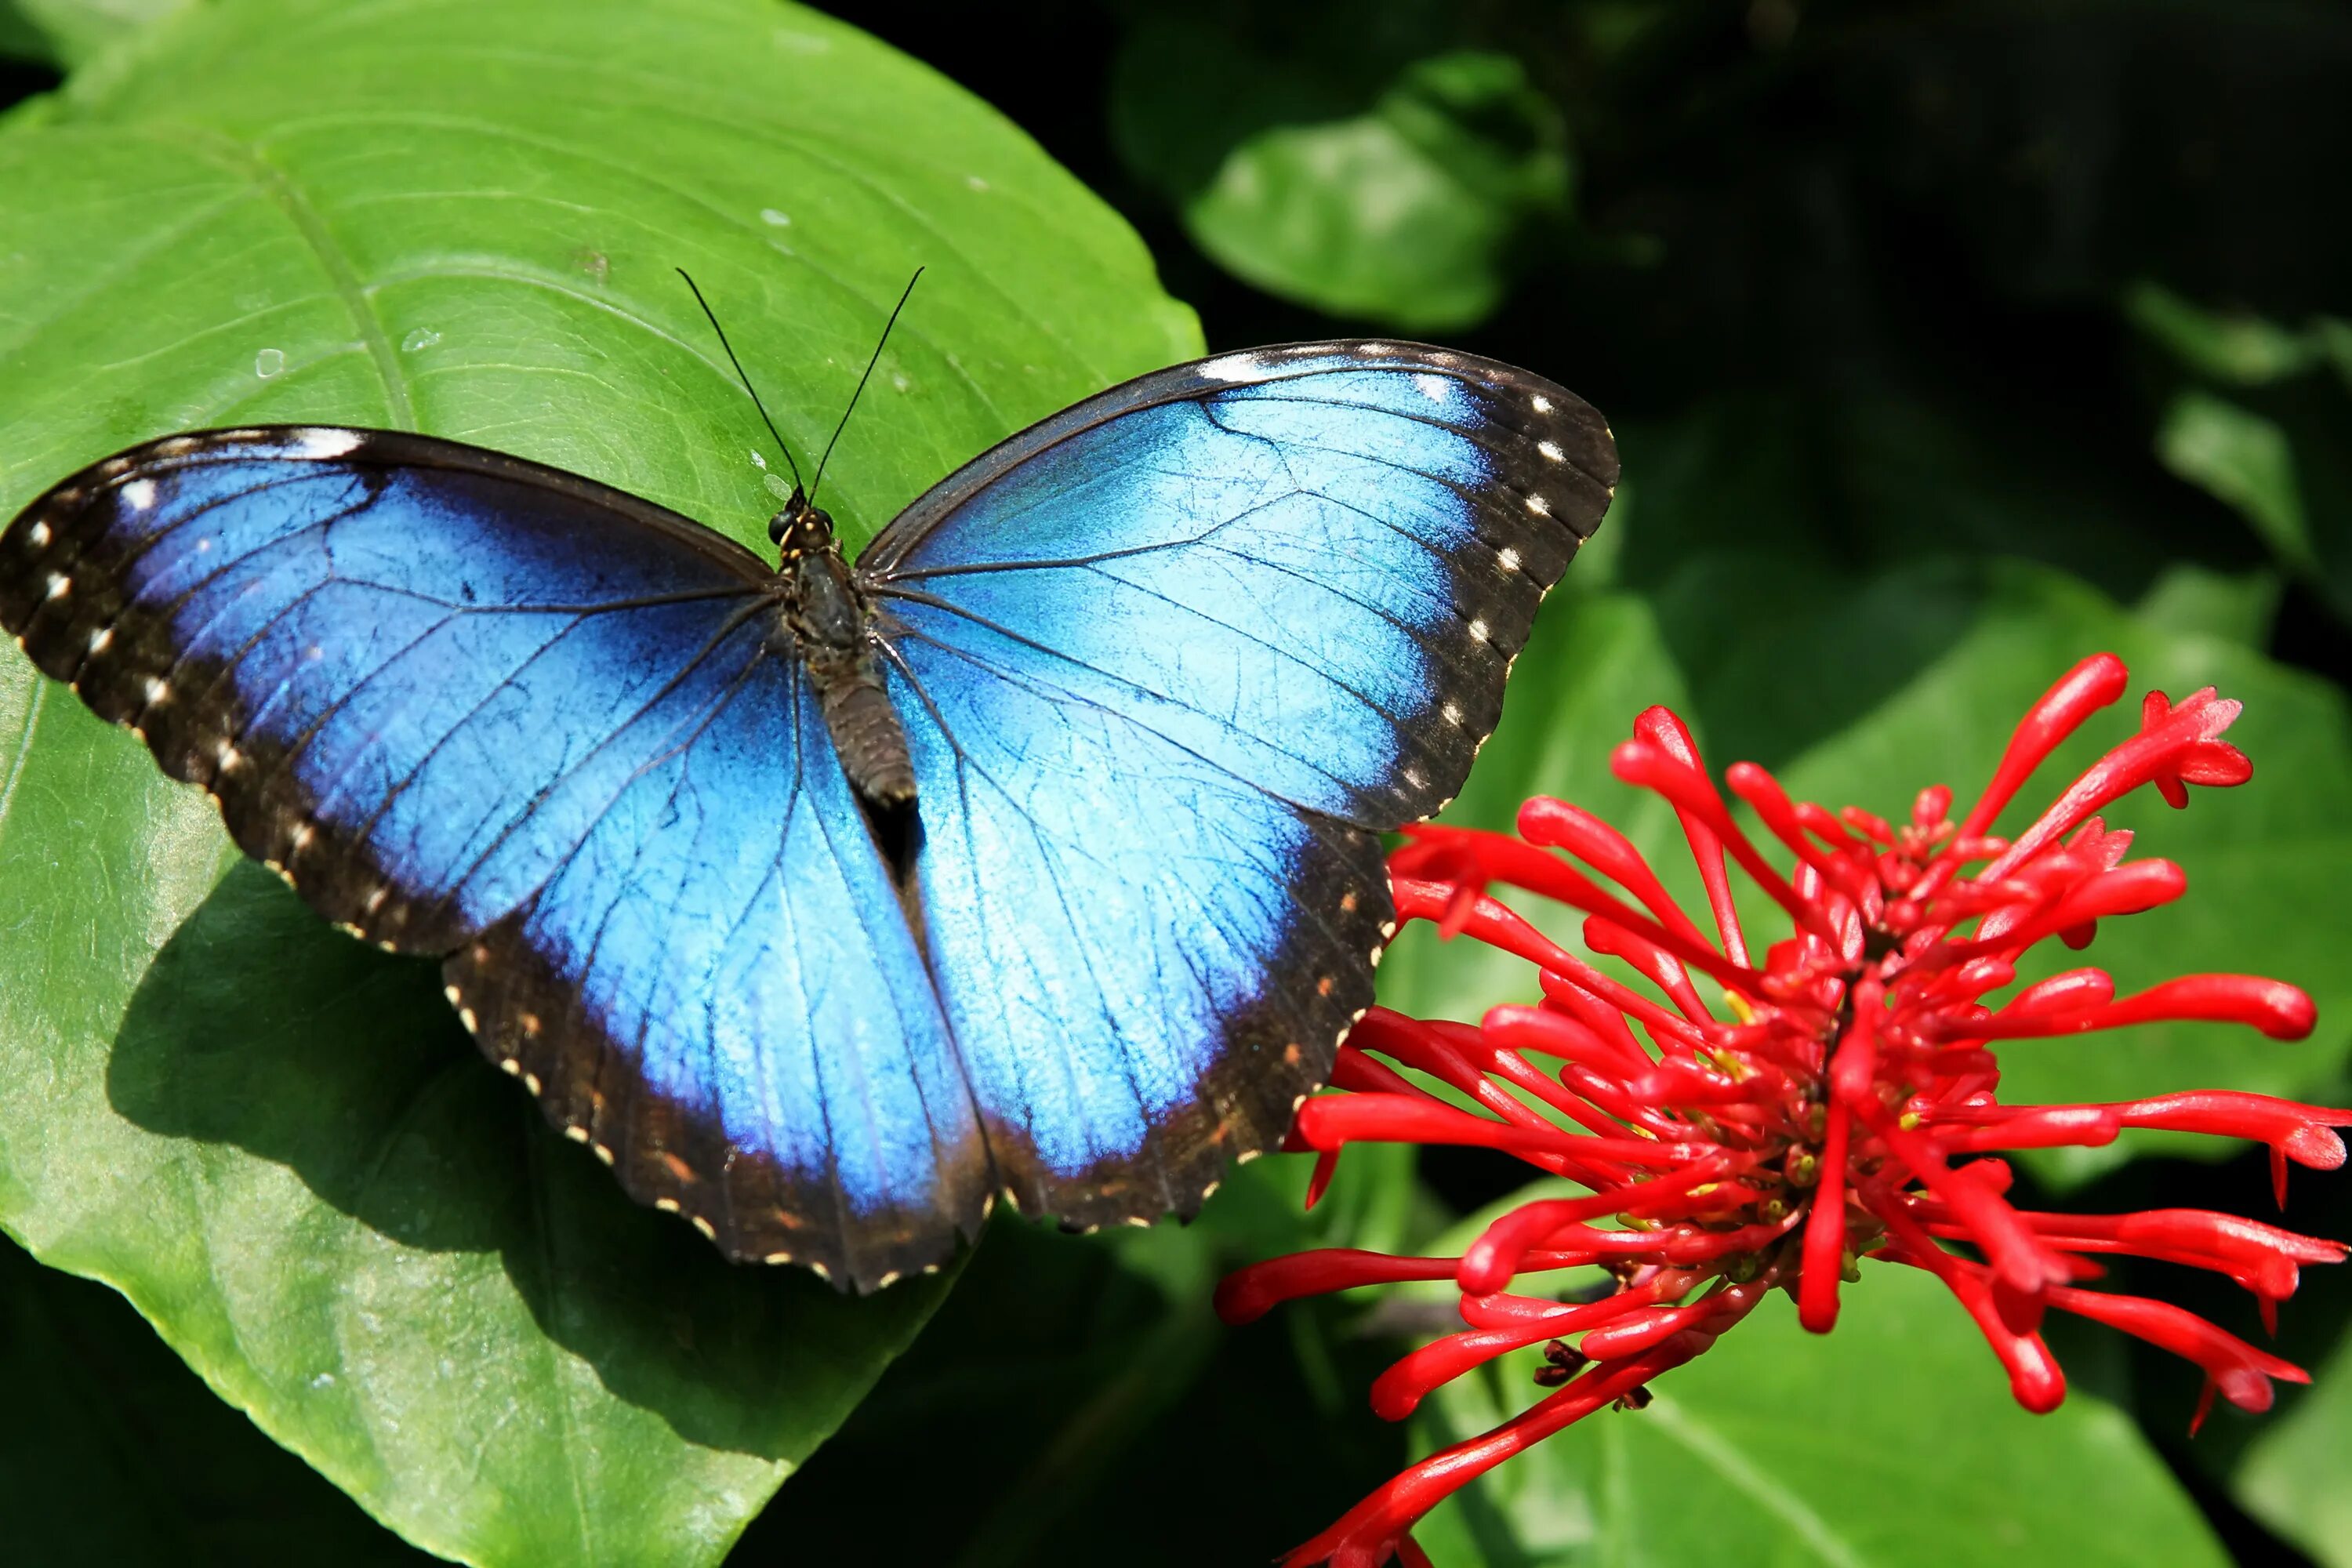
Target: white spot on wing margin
(322, 442)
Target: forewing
(1310, 566)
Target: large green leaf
(1891, 1441)
(463, 218)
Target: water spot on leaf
(419, 338)
(269, 363)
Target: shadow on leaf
(257, 1027)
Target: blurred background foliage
(1928, 329)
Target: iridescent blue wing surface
(1169, 662)
(476, 707)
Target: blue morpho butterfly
(1037, 852)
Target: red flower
(1840, 1105)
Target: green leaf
(2246, 462)
(2260, 419)
(1320, 168)
(68, 33)
(116, 1453)
(464, 220)
(2232, 346)
(1891, 1440)
(2189, 600)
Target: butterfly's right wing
(476, 708)
(1169, 662)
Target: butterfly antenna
(746, 380)
(863, 380)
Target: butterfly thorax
(832, 628)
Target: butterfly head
(800, 529)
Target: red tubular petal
(1490, 1261)
(1762, 792)
(2082, 691)
(1327, 1165)
(2121, 771)
(1502, 1310)
(2017, 1255)
(1495, 925)
(1658, 966)
(1415, 1044)
(1398, 1391)
(2067, 993)
(2041, 1127)
(1558, 825)
(1502, 1033)
(1372, 1530)
(1824, 1244)
(2294, 1130)
(1333, 1120)
(1552, 1034)
(1640, 764)
(1664, 730)
(2281, 1011)
(1637, 1335)
(2261, 1257)
(1520, 864)
(2217, 766)
(2036, 1379)
(1247, 1294)
(2300, 1131)
(1361, 1074)
(2128, 890)
(2242, 1373)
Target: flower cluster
(1839, 1104)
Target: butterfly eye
(800, 529)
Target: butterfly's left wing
(556, 735)
(1169, 662)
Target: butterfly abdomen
(830, 623)
(864, 727)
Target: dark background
(1915, 256)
